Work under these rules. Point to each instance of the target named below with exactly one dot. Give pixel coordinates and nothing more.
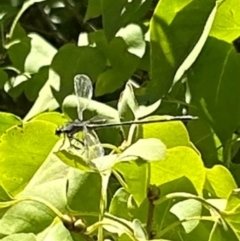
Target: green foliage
(148, 59)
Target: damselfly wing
(83, 89)
(92, 147)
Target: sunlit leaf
(180, 161)
(219, 181)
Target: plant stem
(151, 208)
(103, 200)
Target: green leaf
(53, 117)
(187, 209)
(235, 170)
(127, 104)
(233, 201)
(16, 85)
(119, 14)
(4, 196)
(7, 11)
(3, 78)
(37, 203)
(119, 204)
(20, 237)
(41, 54)
(119, 226)
(31, 53)
(173, 38)
(180, 161)
(123, 65)
(35, 84)
(133, 36)
(172, 133)
(23, 150)
(206, 141)
(144, 111)
(93, 9)
(213, 94)
(52, 190)
(162, 216)
(219, 181)
(221, 233)
(55, 232)
(8, 120)
(136, 176)
(139, 232)
(227, 23)
(69, 61)
(45, 100)
(94, 108)
(84, 192)
(80, 60)
(18, 53)
(73, 160)
(150, 149)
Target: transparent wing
(83, 89)
(94, 149)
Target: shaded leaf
(136, 177)
(93, 9)
(118, 14)
(216, 93)
(173, 38)
(119, 204)
(3, 78)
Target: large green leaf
(51, 191)
(179, 162)
(172, 133)
(216, 93)
(173, 37)
(123, 61)
(23, 150)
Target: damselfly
(83, 89)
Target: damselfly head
(59, 131)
